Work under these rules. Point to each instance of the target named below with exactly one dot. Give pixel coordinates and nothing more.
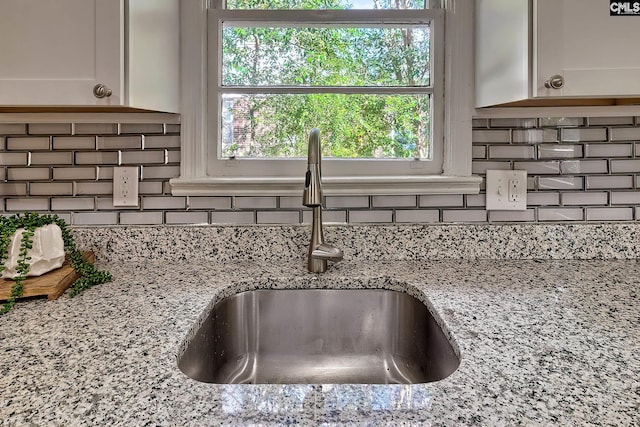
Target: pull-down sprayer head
(312, 195)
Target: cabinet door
(55, 52)
(596, 54)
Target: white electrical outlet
(506, 190)
(125, 186)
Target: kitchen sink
(324, 336)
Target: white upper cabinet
(554, 49)
(90, 53)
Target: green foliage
(89, 275)
(353, 125)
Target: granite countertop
(542, 343)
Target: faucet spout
(312, 195)
(319, 251)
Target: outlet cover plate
(125, 186)
(506, 190)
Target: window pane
(352, 56)
(351, 125)
(325, 4)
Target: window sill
(389, 185)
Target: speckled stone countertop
(543, 342)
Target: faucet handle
(327, 252)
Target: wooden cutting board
(52, 284)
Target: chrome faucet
(319, 251)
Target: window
(368, 73)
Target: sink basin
(323, 336)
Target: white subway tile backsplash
(51, 189)
(141, 128)
(160, 172)
(150, 187)
(29, 204)
(28, 143)
(119, 142)
(74, 143)
(347, 201)
(173, 156)
(371, 216)
(74, 173)
(625, 197)
(603, 121)
(172, 128)
(247, 202)
(290, 202)
(95, 128)
(596, 182)
(559, 151)
(417, 215)
(535, 198)
(72, 203)
(328, 217)
(609, 214)
(584, 166)
(625, 134)
(141, 218)
(28, 174)
(106, 204)
(49, 128)
(480, 168)
(165, 141)
(480, 123)
(538, 168)
(104, 172)
(13, 189)
(98, 158)
(13, 129)
(14, 159)
(3, 176)
(90, 188)
(583, 134)
(608, 150)
(440, 200)
(206, 202)
(560, 214)
(164, 202)
(142, 157)
(491, 136)
(278, 217)
(584, 198)
(243, 217)
(475, 200)
(512, 216)
(464, 215)
(511, 152)
(513, 123)
(561, 183)
(95, 218)
(394, 201)
(561, 121)
(623, 166)
(534, 136)
(479, 152)
(187, 217)
(52, 158)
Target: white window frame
(202, 173)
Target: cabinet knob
(555, 82)
(101, 91)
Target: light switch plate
(506, 190)
(125, 186)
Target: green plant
(89, 274)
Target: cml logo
(622, 8)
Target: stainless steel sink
(370, 336)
